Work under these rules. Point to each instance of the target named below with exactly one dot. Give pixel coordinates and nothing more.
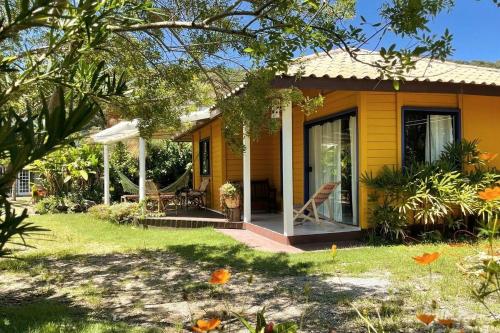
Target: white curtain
(335, 167)
(354, 169)
(325, 162)
(438, 134)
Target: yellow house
(363, 125)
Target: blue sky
(475, 25)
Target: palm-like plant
(430, 193)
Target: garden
(89, 275)
(70, 180)
(430, 261)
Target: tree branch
(179, 25)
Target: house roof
(339, 64)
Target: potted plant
(230, 201)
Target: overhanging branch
(179, 25)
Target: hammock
(127, 184)
(132, 188)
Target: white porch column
(247, 179)
(106, 175)
(287, 144)
(142, 169)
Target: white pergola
(124, 130)
(128, 130)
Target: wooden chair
(309, 211)
(163, 199)
(197, 198)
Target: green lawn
(75, 236)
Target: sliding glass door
(333, 157)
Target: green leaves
(84, 174)
(12, 224)
(262, 326)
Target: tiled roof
(339, 64)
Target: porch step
(343, 236)
(189, 222)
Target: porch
(269, 225)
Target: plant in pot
(230, 195)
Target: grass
(54, 317)
(77, 236)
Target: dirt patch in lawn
(160, 288)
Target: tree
(32, 123)
(68, 50)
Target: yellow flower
(426, 258)
(220, 276)
(206, 325)
(426, 318)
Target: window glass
(426, 134)
(205, 157)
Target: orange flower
(220, 276)
(206, 325)
(426, 318)
(490, 194)
(446, 322)
(488, 156)
(426, 258)
(334, 250)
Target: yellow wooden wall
(264, 161)
(380, 127)
(379, 138)
(212, 131)
(481, 120)
(226, 165)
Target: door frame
(319, 121)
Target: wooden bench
(263, 196)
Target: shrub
(50, 205)
(74, 169)
(389, 223)
(101, 212)
(121, 213)
(124, 212)
(443, 192)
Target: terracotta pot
(232, 202)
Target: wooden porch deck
(267, 225)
